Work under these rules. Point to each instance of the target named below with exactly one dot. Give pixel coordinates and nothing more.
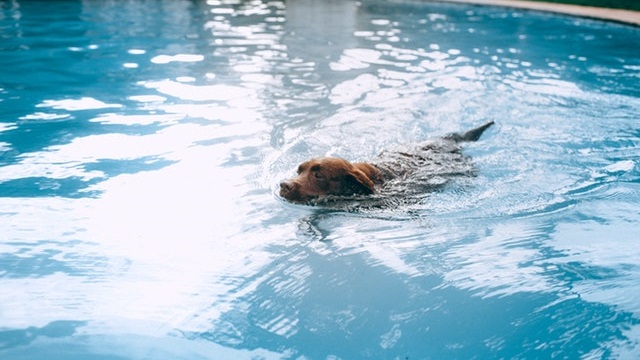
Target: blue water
(141, 144)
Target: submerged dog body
(437, 159)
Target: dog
(436, 159)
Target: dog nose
(286, 186)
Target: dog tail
(471, 135)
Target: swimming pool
(141, 144)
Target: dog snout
(286, 186)
(287, 189)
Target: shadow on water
(23, 337)
(46, 258)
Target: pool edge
(628, 17)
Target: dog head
(327, 176)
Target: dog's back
(440, 157)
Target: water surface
(141, 144)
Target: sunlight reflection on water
(139, 165)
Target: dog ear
(359, 183)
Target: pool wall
(617, 15)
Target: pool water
(142, 142)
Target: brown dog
(338, 177)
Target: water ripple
(139, 163)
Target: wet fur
(436, 159)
